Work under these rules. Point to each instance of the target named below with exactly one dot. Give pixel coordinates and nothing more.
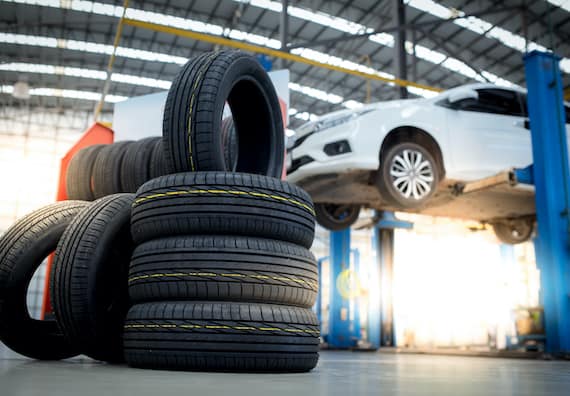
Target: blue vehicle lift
(343, 313)
(551, 176)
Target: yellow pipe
(271, 52)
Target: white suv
(394, 155)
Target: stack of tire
(202, 268)
(104, 169)
(221, 276)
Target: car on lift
(397, 154)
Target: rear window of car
(495, 101)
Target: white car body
(473, 144)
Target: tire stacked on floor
(122, 167)
(216, 263)
(222, 278)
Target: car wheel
(514, 231)
(336, 217)
(408, 175)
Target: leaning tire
(408, 175)
(78, 180)
(89, 288)
(221, 337)
(193, 114)
(223, 203)
(335, 217)
(135, 170)
(23, 248)
(107, 169)
(223, 268)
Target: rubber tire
(78, 180)
(219, 267)
(107, 169)
(194, 108)
(387, 190)
(230, 143)
(328, 221)
(504, 230)
(23, 248)
(135, 170)
(89, 287)
(226, 204)
(159, 336)
(157, 161)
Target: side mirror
(462, 94)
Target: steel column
(401, 71)
(284, 30)
(551, 179)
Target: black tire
(223, 336)
(514, 231)
(230, 143)
(23, 248)
(223, 268)
(385, 180)
(89, 285)
(223, 203)
(107, 169)
(194, 108)
(335, 217)
(78, 180)
(157, 162)
(135, 170)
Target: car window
(493, 100)
(525, 109)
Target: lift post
(343, 310)
(551, 175)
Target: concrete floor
(338, 373)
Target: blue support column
(355, 302)
(551, 178)
(340, 334)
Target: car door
(489, 134)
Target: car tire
(514, 231)
(230, 143)
(89, 287)
(335, 217)
(78, 179)
(23, 248)
(135, 170)
(157, 162)
(408, 175)
(221, 336)
(194, 108)
(107, 169)
(222, 203)
(223, 267)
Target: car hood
(378, 106)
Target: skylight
(66, 93)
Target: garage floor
(338, 373)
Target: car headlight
(331, 122)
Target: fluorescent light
(67, 93)
(84, 73)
